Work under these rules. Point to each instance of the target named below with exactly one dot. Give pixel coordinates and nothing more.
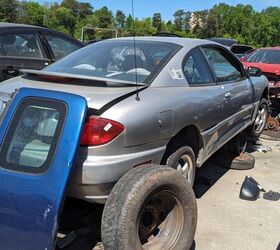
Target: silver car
(173, 101)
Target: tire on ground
(243, 161)
(134, 193)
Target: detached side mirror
(254, 71)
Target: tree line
(240, 22)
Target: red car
(268, 60)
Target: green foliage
(9, 10)
(105, 18)
(240, 22)
(32, 13)
(120, 19)
(157, 22)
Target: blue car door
(39, 135)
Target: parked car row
(160, 100)
(134, 118)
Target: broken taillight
(99, 131)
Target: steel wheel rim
(186, 168)
(160, 221)
(261, 119)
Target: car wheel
(261, 118)
(150, 207)
(183, 160)
(243, 161)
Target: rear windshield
(265, 56)
(119, 60)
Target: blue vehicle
(38, 143)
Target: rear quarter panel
(163, 111)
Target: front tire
(151, 207)
(261, 118)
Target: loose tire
(183, 160)
(243, 161)
(151, 207)
(260, 122)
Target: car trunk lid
(97, 95)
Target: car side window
(196, 69)
(21, 45)
(224, 67)
(60, 46)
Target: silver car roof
(185, 42)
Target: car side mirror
(254, 71)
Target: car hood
(96, 96)
(265, 67)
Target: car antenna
(134, 47)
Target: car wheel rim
(261, 119)
(186, 168)
(161, 220)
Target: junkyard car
(186, 92)
(31, 47)
(172, 101)
(268, 60)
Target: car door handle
(228, 95)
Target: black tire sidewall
(120, 215)
(172, 160)
(253, 131)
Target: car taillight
(99, 131)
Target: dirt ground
(224, 220)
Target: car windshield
(265, 56)
(117, 59)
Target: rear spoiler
(69, 77)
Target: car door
(60, 45)
(237, 91)
(20, 50)
(39, 135)
(206, 98)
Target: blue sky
(145, 8)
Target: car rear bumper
(94, 176)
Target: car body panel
(31, 202)
(152, 115)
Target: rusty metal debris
(272, 123)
